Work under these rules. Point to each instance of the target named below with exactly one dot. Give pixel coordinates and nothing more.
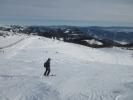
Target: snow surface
(93, 41)
(9, 38)
(82, 73)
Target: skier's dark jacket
(47, 64)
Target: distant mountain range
(93, 36)
(118, 34)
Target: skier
(47, 66)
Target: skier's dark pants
(47, 72)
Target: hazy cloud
(86, 10)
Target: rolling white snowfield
(82, 73)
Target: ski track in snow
(82, 73)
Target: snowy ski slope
(82, 73)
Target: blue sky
(67, 12)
